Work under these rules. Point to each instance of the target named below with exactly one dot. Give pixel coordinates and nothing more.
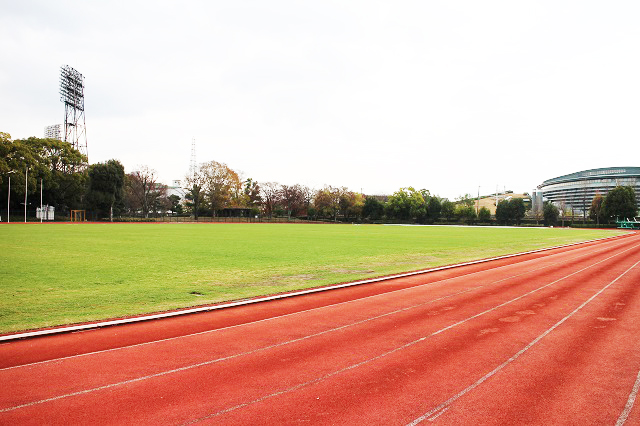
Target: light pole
(26, 187)
(40, 200)
(9, 198)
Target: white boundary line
(317, 380)
(60, 330)
(627, 408)
(422, 339)
(447, 403)
(199, 333)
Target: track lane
(170, 355)
(256, 373)
(64, 345)
(579, 372)
(72, 344)
(436, 372)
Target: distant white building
(176, 189)
(53, 132)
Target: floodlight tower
(72, 94)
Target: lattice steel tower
(72, 94)
(193, 166)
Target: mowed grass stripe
(58, 274)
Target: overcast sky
(371, 95)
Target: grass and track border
(261, 299)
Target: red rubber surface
(547, 338)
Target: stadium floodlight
(72, 94)
(72, 87)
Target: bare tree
(140, 188)
(292, 198)
(307, 195)
(270, 192)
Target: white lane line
(405, 346)
(435, 416)
(327, 306)
(38, 333)
(188, 367)
(463, 392)
(391, 292)
(627, 408)
(217, 360)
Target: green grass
(65, 273)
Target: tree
(158, 200)
(597, 208)
(621, 203)
(434, 209)
(465, 213)
(405, 204)
(517, 209)
(56, 164)
(106, 183)
(292, 198)
(195, 196)
(140, 190)
(448, 209)
(373, 208)
(270, 194)
(508, 211)
(220, 183)
(327, 202)
(550, 213)
(503, 212)
(252, 193)
(484, 215)
(466, 200)
(175, 205)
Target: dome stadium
(577, 190)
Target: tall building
(577, 190)
(53, 132)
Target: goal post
(77, 215)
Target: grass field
(65, 273)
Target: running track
(547, 338)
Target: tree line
(215, 189)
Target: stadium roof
(605, 173)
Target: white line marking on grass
(630, 401)
(68, 329)
(454, 398)
(405, 346)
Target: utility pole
(40, 200)
(26, 187)
(9, 199)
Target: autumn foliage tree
(597, 208)
(220, 184)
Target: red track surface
(547, 338)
